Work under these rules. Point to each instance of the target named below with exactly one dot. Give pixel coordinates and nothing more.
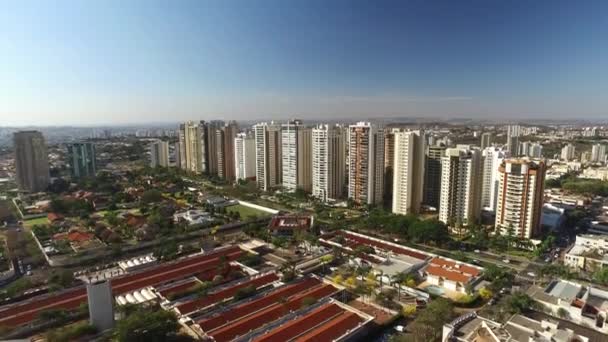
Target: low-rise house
(54, 217)
(451, 275)
(193, 217)
(579, 304)
(535, 327)
(589, 253)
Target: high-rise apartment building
(460, 186)
(213, 145)
(328, 162)
(513, 133)
(296, 156)
(81, 159)
(492, 158)
(487, 139)
(31, 161)
(408, 171)
(225, 150)
(181, 160)
(568, 152)
(520, 197)
(535, 151)
(366, 163)
(432, 176)
(193, 146)
(244, 156)
(598, 153)
(389, 159)
(268, 159)
(159, 153)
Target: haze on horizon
(125, 62)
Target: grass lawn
(245, 212)
(32, 222)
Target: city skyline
(123, 63)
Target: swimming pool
(434, 290)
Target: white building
(492, 158)
(328, 162)
(268, 168)
(460, 201)
(520, 197)
(101, 304)
(366, 163)
(159, 154)
(584, 305)
(408, 171)
(598, 153)
(244, 156)
(589, 252)
(296, 156)
(568, 152)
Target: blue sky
(104, 62)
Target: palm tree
(398, 279)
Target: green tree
(428, 326)
(146, 326)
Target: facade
(296, 156)
(432, 175)
(408, 171)
(598, 153)
(31, 161)
(487, 139)
(535, 151)
(268, 159)
(366, 163)
(492, 158)
(81, 157)
(244, 156)
(460, 201)
(328, 162)
(513, 133)
(159, 154)
(568, 152)
(520, 197)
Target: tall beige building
(31, 161)
(328, 162)
(268, 159)
(366, 163)
(193, 147)
(520, 197)
(408, 171)
(460, 200)
(296, 156)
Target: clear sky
(114, 62)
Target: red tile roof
(302, 324)
(21, 313)
(52, 217)
(450, 270)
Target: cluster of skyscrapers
(372, 165)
